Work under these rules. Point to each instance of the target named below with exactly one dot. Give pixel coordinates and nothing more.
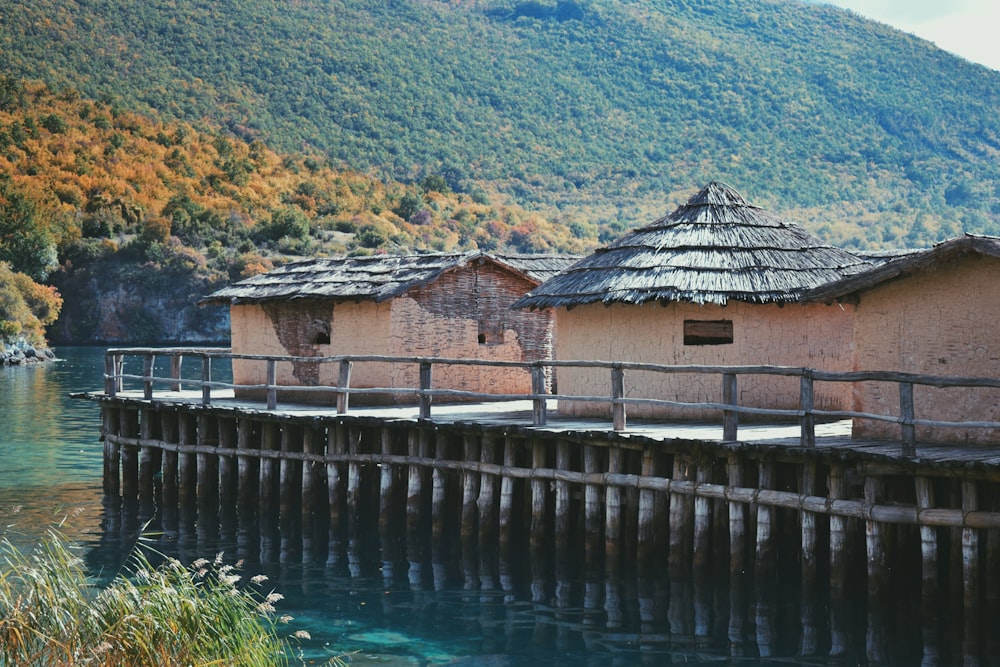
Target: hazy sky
(970, 28)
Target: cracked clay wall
(806, 335)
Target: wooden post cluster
(614, 503)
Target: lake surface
(369, 600)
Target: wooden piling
(737, 555)
(313, 502)
(808, 640)
(129, 428)
(336, 483)
(839, 562)
(290, 488)
(439, 487)
(270, 441)
(149, 458)
(248, 473)
(647, 509)
(470, 493)
(877, 575)
(187, 461)
(228, 473)
(613, 515)
(487, 501)
(169, 431)
(681, 523)
(562, 502)
(930, 590)
(207, 472)
(538, 498)
(418, 445)
(506, 513)
(971, 579)
(592, 508)
(112, 452)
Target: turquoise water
(366, 598)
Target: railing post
(617, 394)
(272, 380)
(147, 376)
(906, 415)
(176, 361)
(110, 381)
(344, 386)
(807, 420)
(730, 419)
(425, 386)
(538, 389)
(206, 379)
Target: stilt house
(443, 305)
(716, 282)
(929, 313)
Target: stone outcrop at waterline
(23, 353)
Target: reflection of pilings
(764, 564)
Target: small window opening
(320, 333)
(490, 333)
(708, 332)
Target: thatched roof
(906, 264)
(714, 249)
(374, 278)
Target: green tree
(25, 240)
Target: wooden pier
(862, 525)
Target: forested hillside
(152, 151)
(608, 110)
(134, 220)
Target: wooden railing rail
(617, 399)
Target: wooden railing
(806, 413)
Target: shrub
(50, 613)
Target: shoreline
(22, 354)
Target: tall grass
(51, 613)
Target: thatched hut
(444, 305)
(933, 312)
(718, 281)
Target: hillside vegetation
(134, 220)
(150, 152)
(607, 111)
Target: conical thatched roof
(715, 248)
(375, 278)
